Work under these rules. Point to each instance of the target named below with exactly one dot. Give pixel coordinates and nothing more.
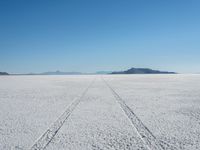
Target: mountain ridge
(142, 71)
(4, 73)
(129, 71)
(55, 73)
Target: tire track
(145, 134)
(46, 138)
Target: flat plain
(84, 112)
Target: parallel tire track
(46, 138)
(145, 134)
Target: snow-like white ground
(97, 123)
(29, 104)
(110, 112)
(169, 105)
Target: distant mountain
(56, 73)
(67, 73)
(4, 73)
(103, 72)
(142, 71)
(60, 73)
(129, 71)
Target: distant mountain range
(103, 72)
(68, 73)
(56, 73)
(4, 73)
(142, 71)
(129, 71)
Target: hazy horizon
(90, 36)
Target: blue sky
(93, 35)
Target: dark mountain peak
(142, 71)
(4, 73)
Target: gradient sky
(93, 35)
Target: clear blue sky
(92, 35)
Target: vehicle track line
(144, 133)
(45, 139)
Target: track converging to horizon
(93, 112)
(149, 141)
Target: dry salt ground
(83, 112)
